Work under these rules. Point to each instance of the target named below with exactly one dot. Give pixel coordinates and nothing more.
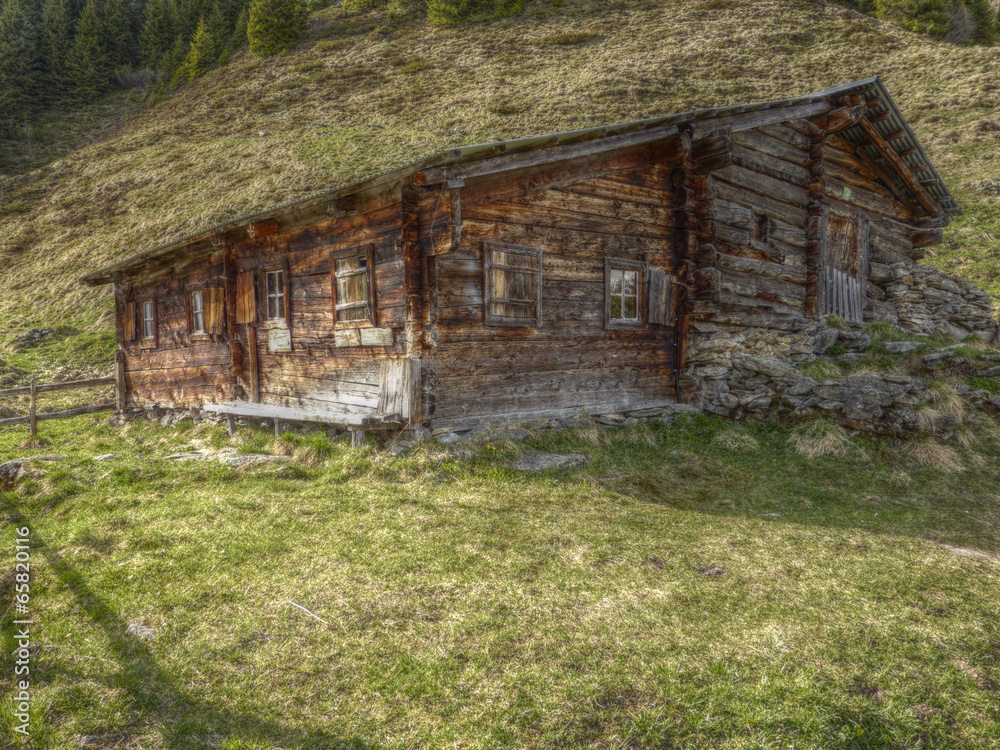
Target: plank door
(844, 267)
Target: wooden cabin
(535, 278)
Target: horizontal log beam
(59, 414)
(68, 385)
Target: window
(353, 285)
(275, 290)
(623, 293)
(148, 319)
(513, 284)
(197, 312)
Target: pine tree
(157, 37)
(202, 55)
(239, 39)
(87, 65)
(55, 38)
(275, 25)
(172, 68)
(120, 47)
(20, 64)
(985, 19)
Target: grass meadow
(701, 584)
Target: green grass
(471, 605)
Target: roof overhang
(449, 163)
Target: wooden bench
(357, 422)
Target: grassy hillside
(370, 90)
(697, 585)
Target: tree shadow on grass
(193, 721)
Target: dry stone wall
(754, 373)
(922, 300)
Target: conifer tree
(157, 36)
(88, 67)
(202, 55)
(120, 47)
(239, 40)
(55, 38)
(275, 25)
(19, 64)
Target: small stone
(824, 339)
(11, 473)
(852, 356)
(141, 632)
(517, 433)
(447, 438)
(90, 740)
(400, 447)
(902, 347)
(105, 457)
(544, 461)
(713, 571)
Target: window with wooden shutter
(661, 298)
(246, 298)
(128, 322)
(623, 293)
(352, 282)
(512, 276)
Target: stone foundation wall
(753, 373)
(922, 300)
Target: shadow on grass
(193, 721)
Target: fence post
(120, 380)
(32, 426)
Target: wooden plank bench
(357, 422)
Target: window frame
(640, 268)
(194, 312)
(367, 252)
(488, 295)
(153, 340)
(278, 295)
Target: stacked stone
(927, 302)
(752, 375)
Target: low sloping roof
(872, 87)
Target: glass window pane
(616, 281)
(616, 308)
(630, 278)
(629, 308)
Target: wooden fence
(34, 389)
(842, 294)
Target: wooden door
(844, 267)
(399, 389)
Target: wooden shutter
(661, 298)
(128, 323)
(369, 253)
(213, 302)
(189, 309)
(246, 300)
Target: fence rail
(34, 389)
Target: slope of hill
(370, 90)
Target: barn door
(844, 267)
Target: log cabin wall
(324, 365)
(328, 366)
(769, 223)
(570, 362)
(753, 222)
(174, 367)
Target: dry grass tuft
(818, 439)
(940, 457)
(736, 441)
(948, 400)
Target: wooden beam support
(843, 118)
(257, 229)
(880, 117)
